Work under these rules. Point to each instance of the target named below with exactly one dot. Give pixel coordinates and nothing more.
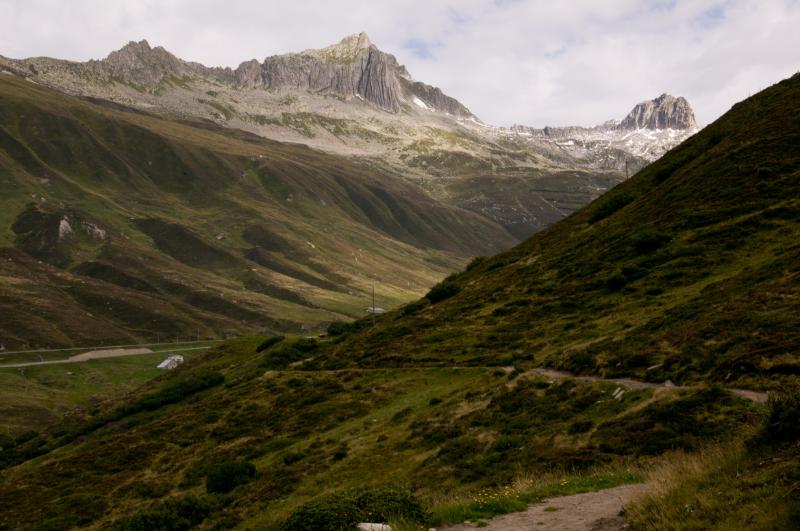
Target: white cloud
(536, 62)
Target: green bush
(783, 421)
(580, 426)
(269, 342)
(24, 437)
(226, 476)
(344, 510)
(289, 352)
(170, 394)
(609, 206)
(176, 514)
(339, 328)
(413, 307)
(475, 262)
(647, 242)
(443, 290)
(616, 282)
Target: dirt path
(754, 396)
(591, 511)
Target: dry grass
(727, 486)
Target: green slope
(118, 226)
(687, 272)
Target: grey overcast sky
(535, 62)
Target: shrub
(293, 457)
(783, 421)
(170, 394)
(475, 262)
(610, 206)
(269, 342)
(413, 307)
(305, 345)
(340, 453)
(580, 426)
(647, 242)
(443, 290)
(339, 328)
(616, 282)
(226, 476)
(289, 352)
(174, 514)
(24, 437)
(344, 510)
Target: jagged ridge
(353, 67)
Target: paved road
(105, 347)
(99, 354)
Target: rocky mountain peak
(347, 50)
(139, 63)
(663, 112)
(356, 40)
(135, 47)
(353, 67)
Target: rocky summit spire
(345, 51)
(357, 40)
(353, 67)
(138, 63)
(664, 112)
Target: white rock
(64, 229)
(373, 527)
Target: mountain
(119, 226)
(651, 129)
(664, 112)
(354, 100)
(685, 275)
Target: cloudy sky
(536, 62)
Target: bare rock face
(664, 112)
(352, 68)
(434, 97)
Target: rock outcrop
(352, 68)
(664, 112)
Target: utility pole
(626, 169)
(373, 305)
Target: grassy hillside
(118, 226)
(312, 433)
(38, 396)
(441, 411)
(687, 272)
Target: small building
(171, 362)
(375, 310)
